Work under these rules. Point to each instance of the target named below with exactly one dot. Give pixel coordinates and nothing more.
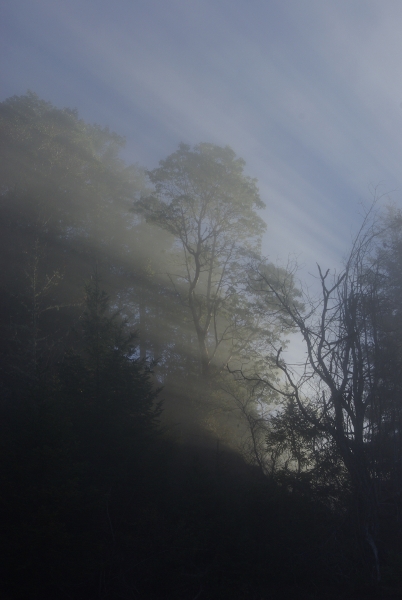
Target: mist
(200, 300)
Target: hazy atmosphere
(201, 299)
(308, 93)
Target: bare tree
(336, 390)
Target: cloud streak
(308, 93)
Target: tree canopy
(204, 199)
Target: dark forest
(155, 443)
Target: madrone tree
(204, 199)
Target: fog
(200, 242)
(307, 95)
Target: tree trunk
(204, 356)
(142, 313)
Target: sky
(308, 92)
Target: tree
(204, 199)
(62, 182)
(336, 394)
(106, 373)
(386, 410)
(80, 467)
(65, 210)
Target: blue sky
(308, 92)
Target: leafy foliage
(203, 198)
